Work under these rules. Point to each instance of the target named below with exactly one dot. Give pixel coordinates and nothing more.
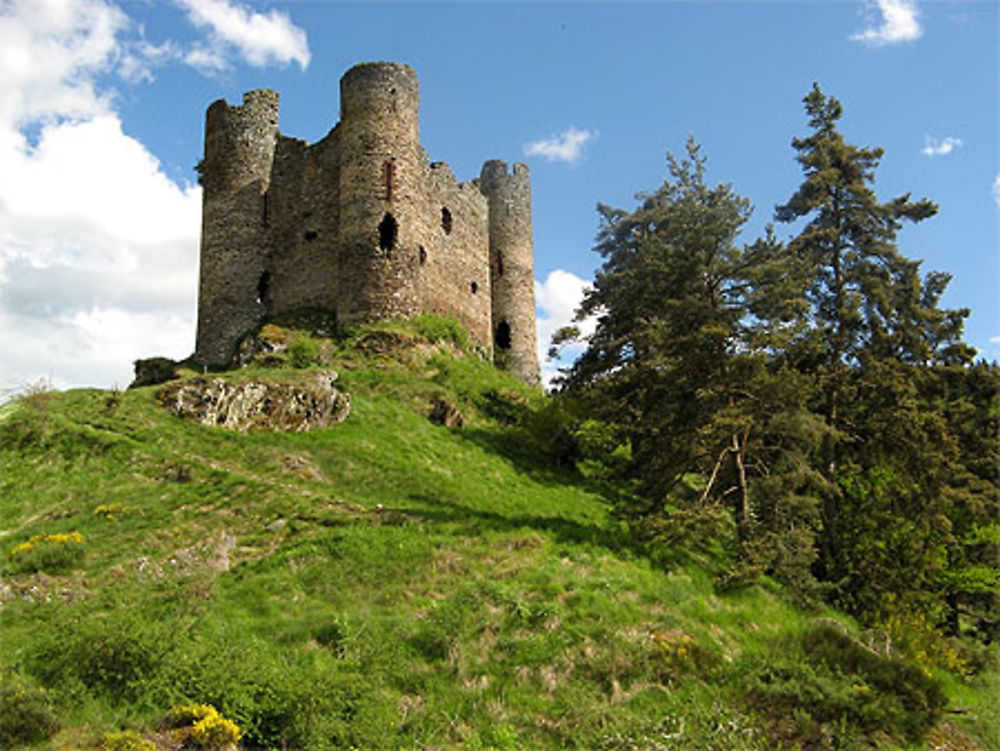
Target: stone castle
(360, 223)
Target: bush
(126, 740)
(203, 725)
(215, 731)
(25, 714)
(120, 655)
(303, 352)
(50, 553)
(186, 715)
(831, 684)
(435, 328)
(276, 700)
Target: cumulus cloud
(934, 147)
(49, 50)
(98, 247)
(890, 22)
(996, 189)
(567, 146)
(259, 38)
(556, 301)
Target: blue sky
(102, 107)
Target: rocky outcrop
(153, 371)
(252, 405)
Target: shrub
(203, 725)
(25, 714)
(126, 740)
(215, 731)
(303, 352)
(120, 655)
(676, 653)
(51, 553)
(185, 715)
(833, 684)
(110, 510)
(435, 328)
(277, 701)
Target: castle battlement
(360, 223)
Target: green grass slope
(391, 583)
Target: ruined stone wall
(235, 172)
(360, 223)
(512, 268)
(304, 225)
(455, 277)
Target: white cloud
(556, 301)
(98, 247)
(898, 22)
(996, 189)
(566, 147)
(260, 39)
(933, 147)
(49, 51)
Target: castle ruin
(360, 223)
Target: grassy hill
(389, 582)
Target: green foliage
(52, 553)
(26, 715)
(303, 352)
(836, 687)
(126, 740)
(119, 655)
(449, 588)
(436, 328)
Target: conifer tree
(669, 300)
(874, 330)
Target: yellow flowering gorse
(67, 538)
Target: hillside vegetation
(389, 582)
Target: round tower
(512, 268)
(383, 198)
(236, 169)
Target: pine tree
(874, 330)
(668, 302)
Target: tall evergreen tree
(874, 329)
(679, 362)
(669, 300)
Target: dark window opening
(474, 287)
(264, 288)
(499, 263)
(264, 197)
(446, 220)
(387, 230)
(422, 254)
(310, 235)
(502, 336)
(388, 175)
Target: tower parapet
(512, 268)
(236, 170)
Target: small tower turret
(512, 272)
(236, 169)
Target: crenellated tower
(235, 172)
(512, 268)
